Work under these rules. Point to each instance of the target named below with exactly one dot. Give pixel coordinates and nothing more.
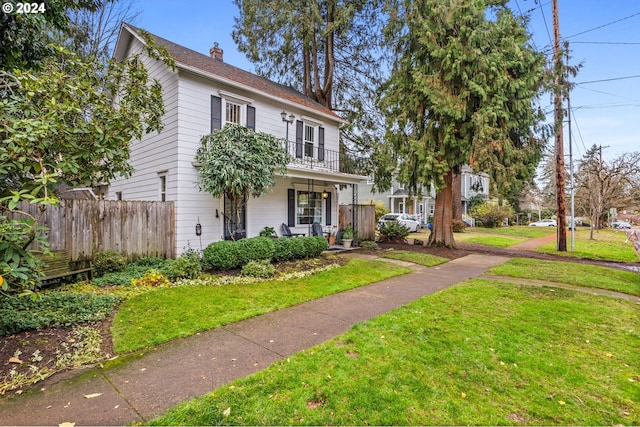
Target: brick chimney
(216, 52)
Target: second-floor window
(309, 139)
(233, 113)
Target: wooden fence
(84, 227)
(365, 224)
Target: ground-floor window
(309, 207)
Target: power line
(602, 26)
(608, 43)
(609, 80)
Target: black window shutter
(327, 206)
(251, 117)
(321, 145)
(299, 136)
(216, 113)
(291, 207)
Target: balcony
(313, 157)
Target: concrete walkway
(144, 387)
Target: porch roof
(329, 177)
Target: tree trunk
(442, 233)
(456, 191)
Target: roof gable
(215, 69)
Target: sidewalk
(144, 387)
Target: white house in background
(202, 95)
(398, 200)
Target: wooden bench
(58, 265)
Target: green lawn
(607, 245)
(571, 273)
(479, 353)
(415, 257)
(513, 231)
(493, 240)
(167, 313)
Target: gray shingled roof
(190, 58)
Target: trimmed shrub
(226, 255)
(315, 246)
(222, 255)
(298, 247)
(255, 248)
(185, 267)
(262, 269)
(282, 249)
(53, 309)
(108, 261)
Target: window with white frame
(309, 139)
(309, 207)
(163, 187)
(233, 112)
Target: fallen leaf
(15, 360)
(609, 355)
(463, 395)
(561, 402)
(92, 395)
(226, 412)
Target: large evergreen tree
(462, 91)
(330, 50)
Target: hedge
(227, 254)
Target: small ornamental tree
(60, 124)
(238, 163)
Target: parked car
(544, 223)
(621, 224)
(405, 219)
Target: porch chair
(286, 231)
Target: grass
(590, 276)
(607, 245)
(164, 314)
(502, 237)
(480, 353)
(514, 231)
(415, 257)
(488, 239)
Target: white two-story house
(202, 95)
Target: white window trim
(322, 205)
(162, 175)
(311, 121)
(237, 99)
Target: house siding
(156, 151)
(187, 97)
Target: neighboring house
(398, 200)
(202, 95)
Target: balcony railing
(314, 157)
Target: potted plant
(347, 237)
(332, 238)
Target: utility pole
(571, 181)
(559, 152)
